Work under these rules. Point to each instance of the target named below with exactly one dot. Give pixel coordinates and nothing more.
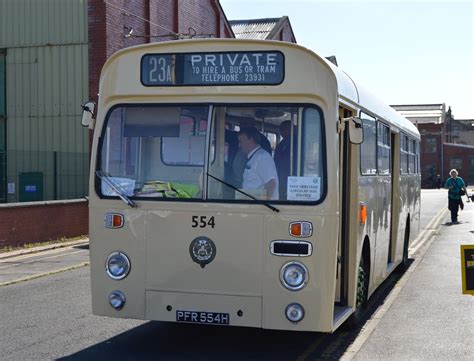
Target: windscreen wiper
(115, 187)
(266, 204)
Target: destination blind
(218, 68)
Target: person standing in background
(456, 188)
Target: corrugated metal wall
(3, 169)
(46, 82)
(2, 83)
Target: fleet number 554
(202, 221)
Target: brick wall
(108, 24)
(460, 157)
(22, 223)
(97, 44)
(200, 15)
(452, 155)
(430, 161)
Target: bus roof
(349, 92)
(356, 94)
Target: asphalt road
(432, 201)
(28, 266)
(50, 318)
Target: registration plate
(202, 317)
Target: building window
(455, 163)
(430, 145)
(3, 84)
(471, 169)
(429, 176)
(455, 131)
(430, 169)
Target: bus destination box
(216, 68)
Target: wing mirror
(354, 125)
(88, 118)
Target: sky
(405, 52)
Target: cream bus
(244, 183)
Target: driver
(260, 172)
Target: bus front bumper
(204, 308)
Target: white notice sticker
(304, 188)
(11, 188)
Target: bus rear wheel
(361, 297)
(362, 285)
(403, 266)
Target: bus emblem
(202, 251)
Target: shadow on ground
(82, 246)
(176, 342)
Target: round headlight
(117, 265)
(294, 312)
(117, 299)
(294, 276)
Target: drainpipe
(442, 151)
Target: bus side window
(368, 147)
(383, 149)
(404, 154)
(411, 157)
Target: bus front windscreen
(227, 153)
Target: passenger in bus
(282, 158)
(262, 139)
(232, 143)
(265, 143)
(457, 188)
(235, 163)
(260, 172)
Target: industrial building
(51, 55)
(446, 142)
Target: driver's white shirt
(259, 170)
